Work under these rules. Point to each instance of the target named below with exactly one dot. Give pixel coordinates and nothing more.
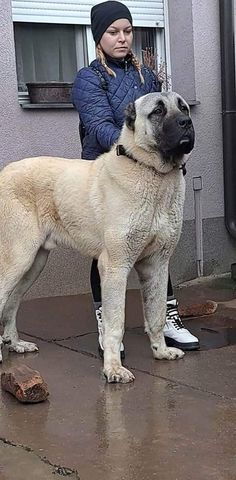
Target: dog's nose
(184, 121)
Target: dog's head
(161, 124)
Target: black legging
(96, 284)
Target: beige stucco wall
(26, 133)
(202, 39)
(198, 21)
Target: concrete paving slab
(177, 421)
(57, 317)
(218, 288)
(20, 464)
(153, 428)
(211, 371)
(63, 317)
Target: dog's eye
(158, 110)
(183, 108)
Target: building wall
(207, 158)
(55, 132)
(26, 133)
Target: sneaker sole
(183, 346)
(101, 353)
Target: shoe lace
(173, 317)
(99, 315)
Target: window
(151, 39)
(50, 52)
(53, 38)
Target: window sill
(192, 103)
(33, 106)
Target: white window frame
(166, 38)
(91, 51)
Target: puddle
(211, 338)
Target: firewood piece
(198, 309)
(25, 384)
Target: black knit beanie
(104, 14)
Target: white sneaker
(176, 335)
(98, 313)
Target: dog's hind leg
(19, 244)
(153, 276)
(10, 310)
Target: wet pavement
(176, 421)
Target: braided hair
(134, 60)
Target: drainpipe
(228, 111)
(197, 188)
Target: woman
(100, 94)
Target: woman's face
(117, 39)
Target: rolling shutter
(77, 12)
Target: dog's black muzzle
(178, 136)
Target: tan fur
(124, 213)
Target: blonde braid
(136, 63)
(134, 60)
(101, 57)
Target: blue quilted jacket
(101, 100)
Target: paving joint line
(92, 355)
(56, 339)
(83, 352)
(182, 384)
(174, 382)
(58, 469)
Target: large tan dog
(125, 208)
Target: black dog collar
(120, 150)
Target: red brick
(25, 384)
(198, 309)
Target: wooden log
(198, 309)
(25, 384)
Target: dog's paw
(20, 346)
(168, 353)
(118, 374)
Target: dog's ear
(130, 116)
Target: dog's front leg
(113, 281)
(153, 276)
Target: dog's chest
(157, 227)
(164, 234)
